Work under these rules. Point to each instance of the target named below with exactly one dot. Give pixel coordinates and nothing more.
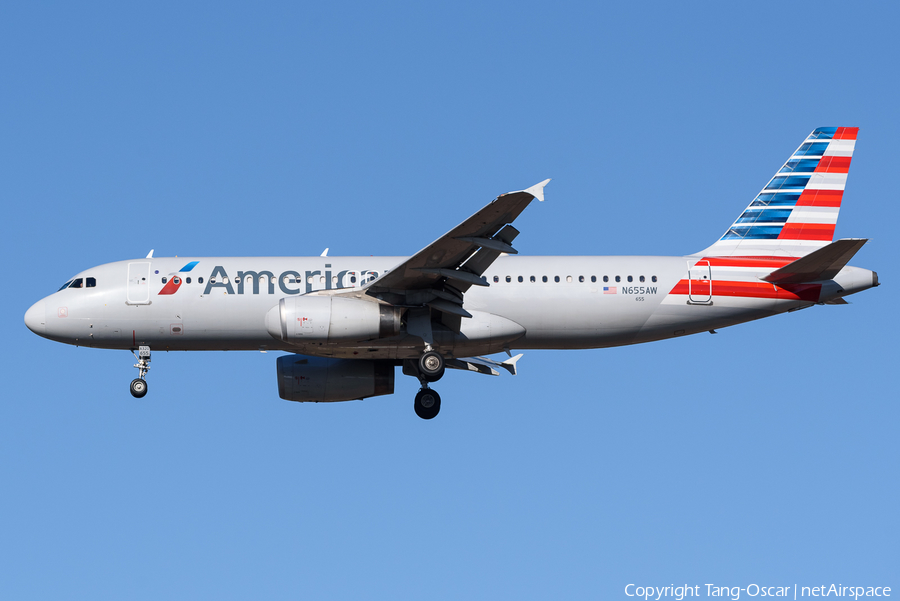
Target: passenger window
(164, 280)
(653, 278)
(521, 279)
(593, 278)
(642, 278)
(606, 278)
(199, 280)
(187, 280)
(352, 279)
(556, 279)
(568, 278)
(176, 279)
(76, 283)
(630, 279)
(508, 279)
(544, 279)
(322, 279)
(581, 278)
(618, 279)
(496, 279)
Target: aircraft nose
(36, 317)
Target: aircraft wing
(438, 275)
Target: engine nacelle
(305, 319)
(320, 379)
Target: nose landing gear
(138, 388)
(139, 385)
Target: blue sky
(765, 454)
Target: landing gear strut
(139, 385)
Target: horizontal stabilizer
(822, 264)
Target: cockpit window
(90, 282)
(64, 286)
(77, 283)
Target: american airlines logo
(289, 282)
(264, 282)
(175, 280)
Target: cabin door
(700, 283)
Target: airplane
(348, 322)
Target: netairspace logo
(754, 590)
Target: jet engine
(321, 379)
(304, 319)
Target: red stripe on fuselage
(806, 292)
(761, 262)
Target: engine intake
(304, 319)
(321, 379)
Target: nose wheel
(427, 403)
(138, 388)
(139, 384)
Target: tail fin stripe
(776, 199)
(807, 231)
(811, 148)
(827, 181)
(840, 148)
(814, 215)
(787, 182)
(800, 166)
(833, 164)
(845, 133)
(820, 198)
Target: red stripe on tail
(845, 133)
(833, 165)
(807, 231)
(820, 198)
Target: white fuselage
(531, 303)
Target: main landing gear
(427, 403)
(429, 368)
(139, 385)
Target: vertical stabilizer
(796, 212)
